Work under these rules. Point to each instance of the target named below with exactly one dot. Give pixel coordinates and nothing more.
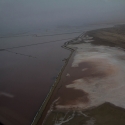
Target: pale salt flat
(111, 87)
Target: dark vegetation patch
(114, 36)
(105, 114)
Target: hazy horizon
(19, 16)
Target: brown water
(27, 74)
(29, 66)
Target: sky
(19, 15)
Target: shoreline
(42, 108)
(48, 97)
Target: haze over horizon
(18, 16)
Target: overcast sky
(33, 14)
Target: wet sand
(91, 89)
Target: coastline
(43, 106)
(78, 41)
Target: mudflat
(91, 90)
